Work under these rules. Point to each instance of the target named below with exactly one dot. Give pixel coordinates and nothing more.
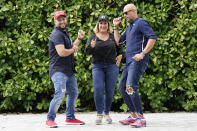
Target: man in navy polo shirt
(140, 39)
(61, 70)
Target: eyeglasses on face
(126, 12)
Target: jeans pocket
(56, 76)
(117, 66)
(143, 66)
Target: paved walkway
(180, 121)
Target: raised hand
(117, 21)
(81, 34)
(93, 43)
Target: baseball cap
(59, 13)
(103, 17)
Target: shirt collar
(63, 31)
(131, 23)
(58, 28)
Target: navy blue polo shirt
(136, 37)
(56, 62)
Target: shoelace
(128, 117)
(138, 120)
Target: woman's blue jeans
(104, 81)
(130, 77)
(63, 84)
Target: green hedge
(169, 84)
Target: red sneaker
(74, 122)
(128, 121)
(139, 123)
(51, 124)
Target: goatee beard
(63, 28)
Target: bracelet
(73, 49)
(115, 27)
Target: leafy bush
(169, 84)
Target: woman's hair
(96, 28)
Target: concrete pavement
(180, 121)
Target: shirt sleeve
(119, 50)
(57, 39)
(123, 37)
(118, 47)
(146, 29)
(89, 50)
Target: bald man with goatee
(140, 39)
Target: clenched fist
(81, 34)
(117, 21)
(93, 43)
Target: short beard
(130, 20)
(62, 28)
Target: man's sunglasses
(126, 12)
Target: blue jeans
(130, 77)
(104, 81)
(63, 84)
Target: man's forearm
(66, 52)
(62, 51)
(116, 35)
(77, 41)
(149, 46)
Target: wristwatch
(143, 52)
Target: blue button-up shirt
(136, 37)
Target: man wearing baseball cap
(61, 70)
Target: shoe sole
(139, 126)
(52, 126)
(125, 123)
(98, 122)
(75, 123)
(108, 122)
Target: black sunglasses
(126, 12)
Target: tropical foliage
(169, 84)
